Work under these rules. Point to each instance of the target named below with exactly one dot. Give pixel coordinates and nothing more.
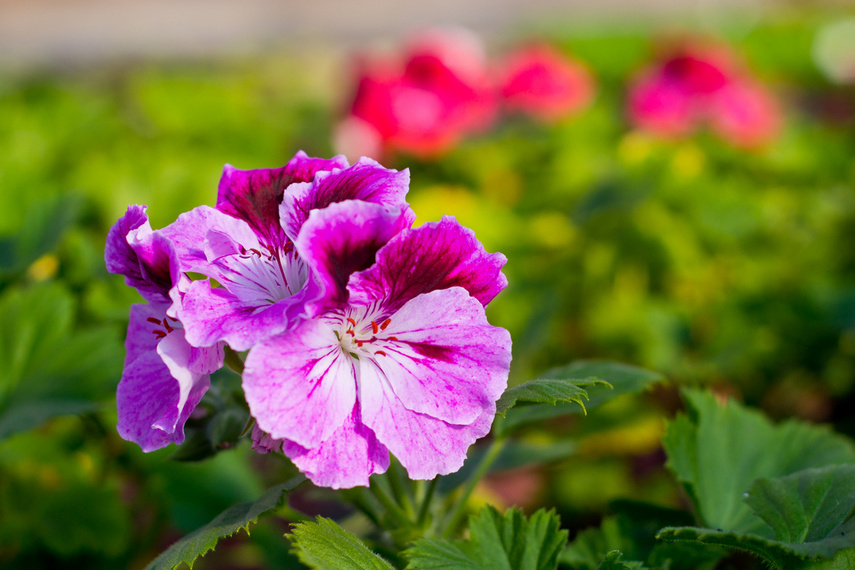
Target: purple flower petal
(211, 315)
(366, 180)
(301, 386)
(141, 338)
(441, 357)
(255, 195)
(344, 238)
(263, 442)
(152, 404)
(437, 255)
(344, 460)
(141, 255)
(424, 445)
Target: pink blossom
(701, 85)
(542, 82)
(423, 103)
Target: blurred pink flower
(703, 85)
(424, 103)
(541, 81)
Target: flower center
(363, 336)
(266, 276)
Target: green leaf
(602, 381)
(498, 542)
(547, 391)
(323, 545)
(612, 562)
(773, 551)
(230, 521)
(809, 510)
(718, 450)
(48, 367)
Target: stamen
(153, 320)
(380, 352)
(350, 332)
(159, 334)
(351, 321)
(169, 328)
(391, 338)
(374, 328)
(385, 324)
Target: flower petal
(190, 231)
(149, 403)
(141, 255)
(211, 315)
(424, 445)
(345, 460)
(141, 337)
(344, 238)
(437, 255)
(366, 180)
(301, 386)
(254, 195)
(446, 360)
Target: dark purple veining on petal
(255, 195)
(366, 180)
(344, 238)
(435, 256)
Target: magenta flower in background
(164, 377)
(398, 356)
(423, 103)
(702, 85)
(245, 245)
(542, 82)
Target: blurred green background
(713, 265)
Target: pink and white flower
(397, 357)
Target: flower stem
(391, 507)
(426, 500)
(232, 360)
(459, 508)
(396, 477)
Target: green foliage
(784, 492)
(719, 450)
(230, 521)
(323, 545)
(48, 369)
(503, 542)
(560, 390)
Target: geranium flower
(542, 82)
(259, 285)
(702, 85)
(164, 377)
(398, 355)
(424, 103)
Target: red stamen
(374, 327)
(153, 320)
(385, 324)
(359, 343)
(159, 334)
(391, 338)
(380, 352)
(169, 328)
(351, 321)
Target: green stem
(232, 360)
(426, 500)
(459, 508)
(391, 507)
(396, 476)
(362, 501)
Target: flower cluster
(444, 88)
(365, 335)
(703, 85)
